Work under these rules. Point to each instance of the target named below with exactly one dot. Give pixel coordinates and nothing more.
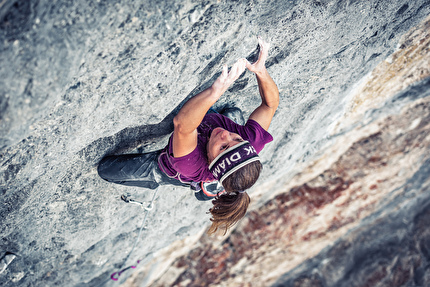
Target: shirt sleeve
(191, 165)
(256, 135)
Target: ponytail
(231, 206)
(228, 209)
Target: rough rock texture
(368, 191)
(374, 198)
(343, 199)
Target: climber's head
(236, 165)
(233, 161)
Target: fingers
(264, 49)
(228, 77)
(237, 69)
(224, 73)
(224, 70)
(263, 44)
(241, 65)
(260, 42)
(260, 64)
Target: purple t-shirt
(195, 166)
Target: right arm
(190, 116)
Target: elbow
(273, 108)
(276, 99)
(178, 125)
(273, 103)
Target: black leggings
(135, 170)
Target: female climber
(208, 151)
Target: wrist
(216, 91)
(262, 73)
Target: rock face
(343, 199)
(364, 220)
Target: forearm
(269, 99)
(191, 114)
(268, 90)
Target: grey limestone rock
(83, 79)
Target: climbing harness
(114, 276)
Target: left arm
(269, 100)
(268, 90)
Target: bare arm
(191, 114)
(268, 90)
